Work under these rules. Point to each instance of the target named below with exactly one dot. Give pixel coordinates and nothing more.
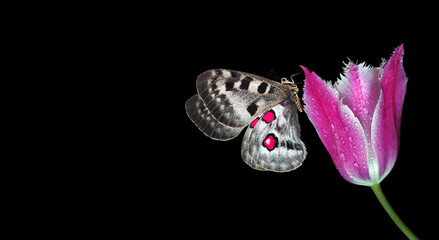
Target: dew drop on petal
(342, 156)
(364, 165)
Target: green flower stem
(380, 195)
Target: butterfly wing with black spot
(228, 100)
(207, 124)
(272, 141)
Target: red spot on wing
(270, 142)
(253, 124)
(269, 116)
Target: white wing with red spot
(274, 142)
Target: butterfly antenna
(296, 82)
(274, 75)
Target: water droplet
(342, 156)
(356, 165)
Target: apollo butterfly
(228, 100)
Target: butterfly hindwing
(272, 141)
(245, 146)
(207, 124)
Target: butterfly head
(293, 86)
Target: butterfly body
(228, 100)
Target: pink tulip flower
(358, 120)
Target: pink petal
(387, 116)
(359, 89)
(394, 85)
(338, 128)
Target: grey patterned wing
(198, 113)
(272, 141)
(228, 100)
(236, 98)
(245, 146)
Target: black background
(140, 166)
(203, 188)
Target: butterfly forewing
(236, 98)
(227, 101)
